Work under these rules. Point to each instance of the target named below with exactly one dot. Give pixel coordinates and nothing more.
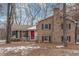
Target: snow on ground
(2, 41)
(19, 50)
(77, 42)
(61, 46)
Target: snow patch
(2, 41)
(61, 46)
(22, 49)
(77, 42)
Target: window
(26, 33)
(46, 26)
(13, 33)
(46, 38)
(68, 38)
(69, 26)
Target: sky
(3, 12)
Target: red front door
(32, 34)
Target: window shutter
(69, 38)
(49, 38)
(61, 26)
(69, 26)
(49, 26)
(42, 26)
(42, 38)
(62, 38)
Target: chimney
(56, 11)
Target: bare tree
(9, 21)
(31, 15)
(31, 12)
(40, 9)
(64, 25)
(0, 7)
(75, 11)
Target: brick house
(51, 29)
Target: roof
(20, 27)
(68, 18)
(32, 28)
(45, 19)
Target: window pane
(46, 26)
(46, 37)
(26, 33)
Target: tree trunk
(64, 25)
(9, 11)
